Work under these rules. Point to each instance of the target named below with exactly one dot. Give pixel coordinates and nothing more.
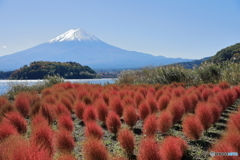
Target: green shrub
(48, 81)
(207, 72)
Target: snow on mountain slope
(86, 49)
(75, 35)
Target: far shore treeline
(40, 69)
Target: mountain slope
(192, 64)
(231, 53)
(86, 49)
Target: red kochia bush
(3, 100)
(60, 109)
(158, 94)
(192, 127)
(37, 121)
(152, 103)
(22, 104)
(172, 148)
(162, 102)
(65, 101)
(65, 122)
(16, 148)
(150, 125)
(50, 99)
(224, 85)
(89, 114)
(233, 139)
(234, 123)
(127, 100)
(138, 98)
(94, 149)
(177, 110)
(206, 93)
(79, 109)
(204, 114)
(187, 103)
(231, 96)
(102, 110)
(165, 121)
(42, 137)
(15, 119)
(126, 139)
(130, 116)
(35, 109)
(7, 130)
(223, 146)
(5, 108)
(48, 112)
(144, 110)
(215, 110)
(65, 142)
(113, 122)
(93, 130)
(148, 150)
(116, 106)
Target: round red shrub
(173, 148)
(152, 104)
(64, 141)
(165, 121)
(150, 125)
(144, 110)
(38, 120)
(113, 122)
(204, 114)
(68, 104)
(60, 109)
(94, 149)
(79, 109)
(148, 150)
(16, 119)
(138, 98)
(116, 106)
(93, 130)
(177, 110)
(89, 114)
(126, 139)
(7, 130)
(192, 127)
(163, 102)
(22, 104)
(130, 116)
(65, 122)
(42, 137)
(102, 110)
(48, 112)
(3, 100)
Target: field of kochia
(71, 121)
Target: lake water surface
(5, 84)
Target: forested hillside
(231, 53)
(39, 69)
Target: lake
(5, 84)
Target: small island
(67, 70)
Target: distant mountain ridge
(86, 49)
(192, 64)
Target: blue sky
(172, 28)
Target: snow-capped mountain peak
(74, 35)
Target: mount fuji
(79, 46)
